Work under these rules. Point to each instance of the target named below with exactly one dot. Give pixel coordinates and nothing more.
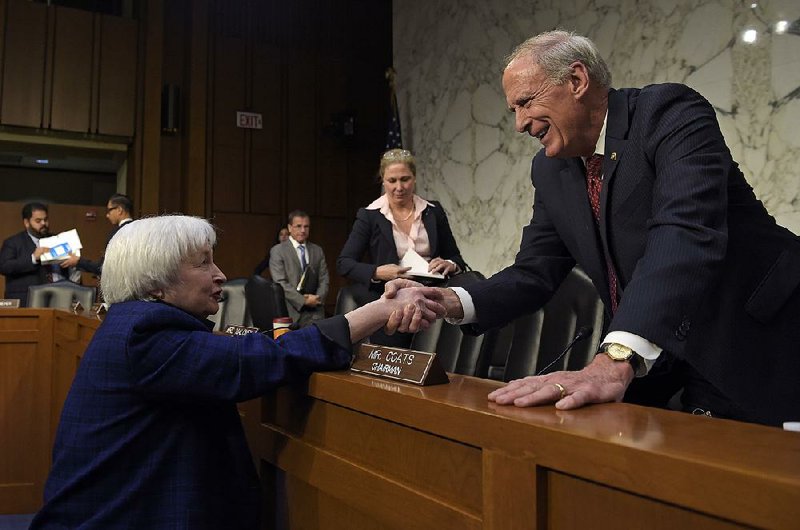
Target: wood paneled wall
(67, 70)
(302, 65)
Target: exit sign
(249, 120)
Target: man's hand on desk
(602, 381)
(419, 306)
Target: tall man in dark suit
(118, 212)
(299, 267)
(21, 253)
(699, 283)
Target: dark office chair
(345, 300)
(61, 294)
(233, 309)
(458, 353)
(265, 300)
(531, 342)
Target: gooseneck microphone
(583, 332)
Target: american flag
(394, 137)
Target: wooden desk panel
(26, 346)
(601, 466)
(39, 352)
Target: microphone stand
(583, 332)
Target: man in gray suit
(299, 267)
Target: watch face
(618, 352)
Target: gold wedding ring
(562, 391)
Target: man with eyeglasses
(118, 213)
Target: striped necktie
(303, 262)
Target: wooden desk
(39, 353)
(358, 452)
(355, 452)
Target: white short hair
(145, 255)
(554, 52)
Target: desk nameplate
(410, 366)
(9, 303)
(239, 330)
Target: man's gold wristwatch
(621, 353)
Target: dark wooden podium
(357, 452)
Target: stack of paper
(61, 246)
(419, 267)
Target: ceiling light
(781, 26)
(749, 36)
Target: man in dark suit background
(20, 255)
(299, 267)
(699, 283)
(118, 212)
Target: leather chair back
(61, 294)
(233, 309)
(346, 300)
(458, 353)
(532, 341)
(266, 301)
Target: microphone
(583, 332)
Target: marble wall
(449, 56)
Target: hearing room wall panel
(266, 144)
(24, 63)
(72, 70)
(174, 189)
(228, 185)
(229, 156)
(244, 240)
(333, 119)
(117, 83)
(302, 133)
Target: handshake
(416, 307)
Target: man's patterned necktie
(594, 184)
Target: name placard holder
(409, 366)
(9, 303)
(239, 330)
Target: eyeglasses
(397, 154)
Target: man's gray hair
(555, 51)
(146, 255)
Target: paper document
(60, 246)
(419, 267)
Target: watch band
(637, 362)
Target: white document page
(419, 267)
(60, 246)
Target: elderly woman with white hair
(150, 436)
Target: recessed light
(750, 36)
(42, 161)
(781, 26)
